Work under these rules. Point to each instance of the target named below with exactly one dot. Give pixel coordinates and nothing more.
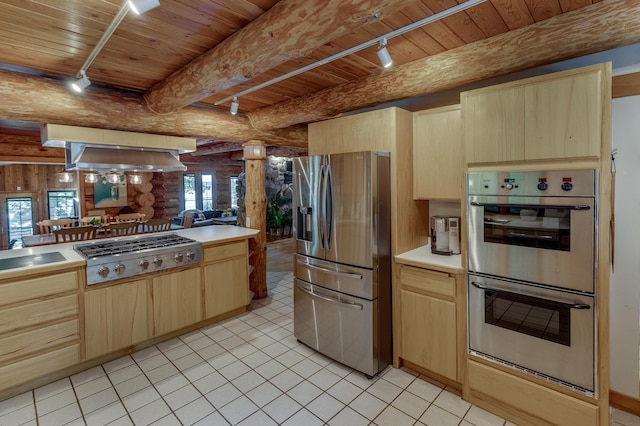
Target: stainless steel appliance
(342, 288)
(534, 226)
(445, 235)
(532, 273)
(112, 259)
(536, 329)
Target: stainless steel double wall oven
(532, 272)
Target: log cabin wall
(33, 178)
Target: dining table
(46, 239)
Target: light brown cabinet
(226, 278)
(177, 300)
(117, 317)
(438, 161)
(431, 320)
(551, 117)
(39, 326)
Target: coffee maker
(445, 235)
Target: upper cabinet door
(563, 117)
(438, 160)
(493, 123)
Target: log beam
(44, 100)
(289, 30)
(590, 29)
(217, 148)
(28, 149)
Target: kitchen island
(52, 324)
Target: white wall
(625, 279)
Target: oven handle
(578, 207)
(530, 236)
(352, 305)
(571, 305)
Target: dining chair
(77, 233)
(187, 220)
(47, 226)
(122, 228)
(131, 217)
(157, 225)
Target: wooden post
(256, 214)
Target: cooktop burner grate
(130, 245)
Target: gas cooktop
(117, 258)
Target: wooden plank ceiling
(52, 38)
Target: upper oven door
(546, 240)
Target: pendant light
(135, 179)
(113, 177)
(91, 177)
(65, 177)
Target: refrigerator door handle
(322, 217)
(329, 200)
(352, 305)
(331, 271)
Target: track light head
(234, 106)
(82, 83)
(141, 6)
(383, 54)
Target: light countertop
(206, 235)
(423, 258)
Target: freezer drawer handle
(331, 299)
(339, 273)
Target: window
(207, 192)
(61, 204)
(198, 191)
(234, 193)
(189, 185)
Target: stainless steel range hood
(103, 149)
(80, 156)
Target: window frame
(73, 197)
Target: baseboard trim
(624, 402)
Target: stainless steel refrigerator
(342, 286)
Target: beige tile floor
(248, 370)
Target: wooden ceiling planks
(54, 37)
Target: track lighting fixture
(234, 106)
(383, 54)
(138, 7)
(81, 83)
(141, 6)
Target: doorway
(17, 218)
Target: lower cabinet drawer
(541, 404)
(225, 251)
(37, 366)
(437, 283)
(42, 338)
(40, 312)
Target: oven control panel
(548, 183)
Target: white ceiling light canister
(141, 6)
(383, 54)
(234, 106)
(81, 83)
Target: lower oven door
(340, 326)
(545, 331)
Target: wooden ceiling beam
(590, 29)
(44, 100)
(28, 149)
(289, 30)
(217, 148)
